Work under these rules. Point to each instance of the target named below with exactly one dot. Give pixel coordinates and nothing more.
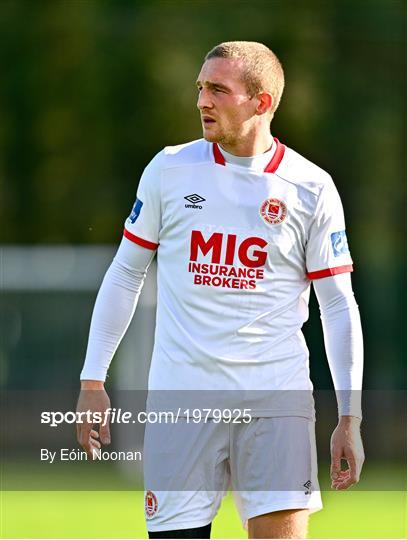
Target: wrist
(348, 420)
(88, 384)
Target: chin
(212, 133)
(211, 137)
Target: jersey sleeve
(327, 251)
(144, 222)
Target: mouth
(208, 121)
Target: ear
(265, 102)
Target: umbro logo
(194, 199)
(308, 487)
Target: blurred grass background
(120, 514)
(362, 512)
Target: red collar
(271, 167)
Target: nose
(204, 99)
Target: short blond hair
(263, 70)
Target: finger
(343, 477)
(343, 485)
(83, 431)
(82, 428)
(104, 431)
(335, 466)
(88, 438)
(353, 469)
(91, 445)
(345, 481)
(95, 442)
(88, 449)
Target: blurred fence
(47, 299)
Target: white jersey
(237, 249)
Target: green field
(364, 512)
(119, 514)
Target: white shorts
(270, 464)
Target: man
(241, 225)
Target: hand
(93, 398)
(346, 443)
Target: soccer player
(241, 225)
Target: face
(227, 111)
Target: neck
(249, 146)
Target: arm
(344, 349)
(117, 299)
(113, 311)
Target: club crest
(273, 211)
(150, 504)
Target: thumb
(104, 431)
(335, 466)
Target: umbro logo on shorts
(194, 199)
(308, 487)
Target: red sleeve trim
(330, 272)
(140, 241)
